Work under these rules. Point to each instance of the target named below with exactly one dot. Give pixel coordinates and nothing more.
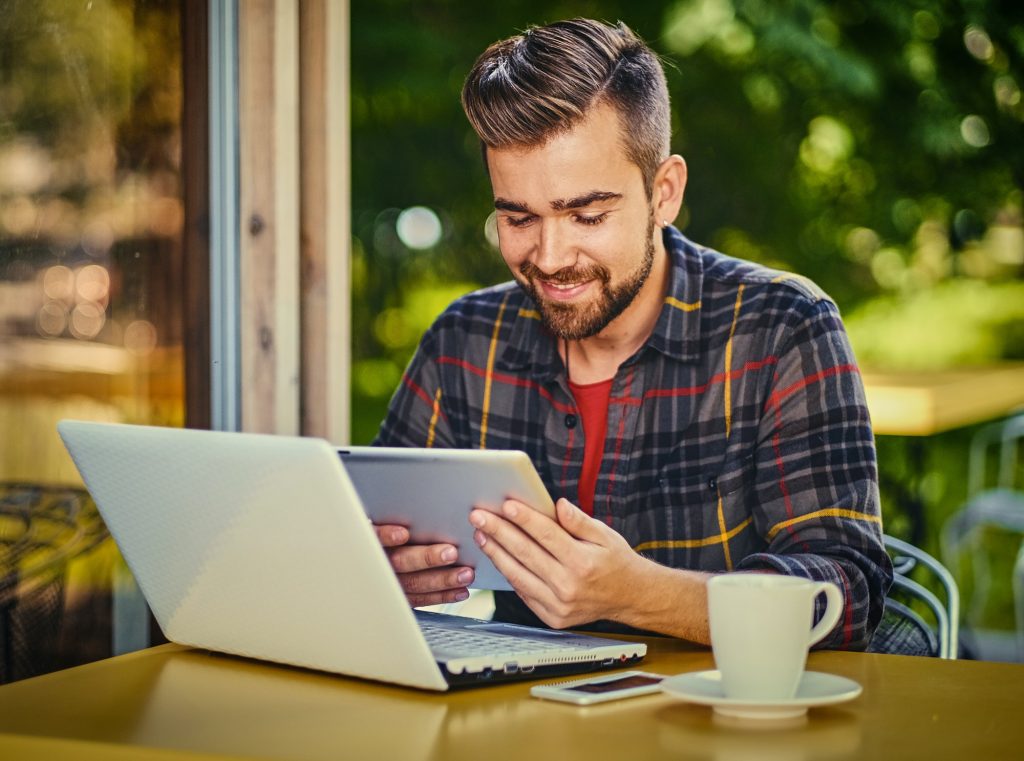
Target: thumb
(576, 522)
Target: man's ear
(669, 188)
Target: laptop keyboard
(469, 642)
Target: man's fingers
(391, 536)
(409, 559)
(437, 580)
(534, 540)
(438, 598)
(519, 575)
(578, 523)
(421, 569)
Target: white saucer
(816, 689)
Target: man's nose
(555, 250)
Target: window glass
(91, 220)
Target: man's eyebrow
(579, 202)
(560, 204)
(503, 204)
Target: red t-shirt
(592, 403)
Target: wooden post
(268, 81)
(324, 218)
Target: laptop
(258, 546)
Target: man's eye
(518, 221)
(594, 219)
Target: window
(91, 296)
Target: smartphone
(600, 689)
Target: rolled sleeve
(817, 503)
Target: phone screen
(623, 683)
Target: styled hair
(525, 90)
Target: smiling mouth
(563, 291)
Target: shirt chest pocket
(678, 524)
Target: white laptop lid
(207, 524)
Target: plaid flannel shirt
(738, 434)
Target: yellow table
(919, 404)
(171, 702)
(925, 403)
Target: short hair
(524, 90)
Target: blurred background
(875, 147)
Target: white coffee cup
(761, 631)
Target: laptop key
(476, 643)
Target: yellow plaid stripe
(728, 361)
(828, 512)
(674, 544)
(531, 314)
(684, 306)
(489, 376)
(432, 428)
(724, 535)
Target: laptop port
(485, 674)
(511, 667)
(527, 669)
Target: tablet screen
(431, 492)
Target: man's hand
(569, 572)
(425, 571)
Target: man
(691, 413)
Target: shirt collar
(676, 333)
(530, 345)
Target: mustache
(531, 271)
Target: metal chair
(993, 507)
(944, 640)
(42, 528)
(963, 534)
(1005, 435)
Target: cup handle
(833, 609)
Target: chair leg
(1018, 600)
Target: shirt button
(712, 484)
(570, 421)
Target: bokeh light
(93, 284)
(974, 131)
(59, 283)
(52, 319)
(828, 144)
(87, 320)
(98, 237)
(376, 377)
(978, 43)
(19, 215)
(491, 229)
(140, 337)
(419, 227)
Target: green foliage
(62, 57)
(872, 146)
(957, 322)
(90, 92)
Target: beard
(574, 322)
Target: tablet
(431, 492)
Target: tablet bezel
(431, 492)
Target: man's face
(576, 227)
